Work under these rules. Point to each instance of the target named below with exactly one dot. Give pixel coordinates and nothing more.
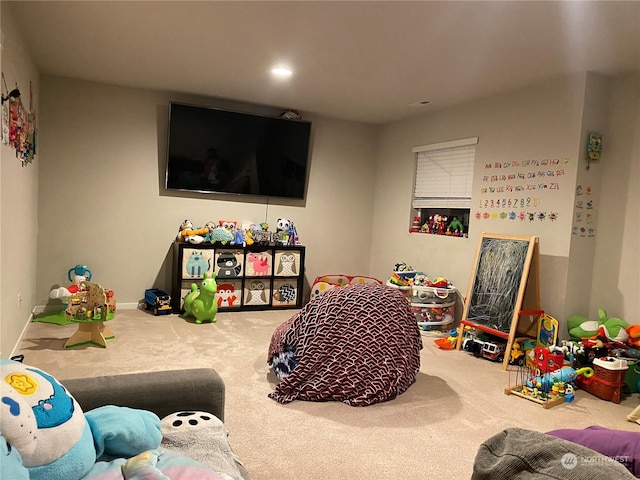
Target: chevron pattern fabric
(358, 345)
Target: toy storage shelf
(253, 277)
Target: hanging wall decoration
(18, 126)
(594, 148)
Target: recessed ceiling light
(421, 103)
(281, 71)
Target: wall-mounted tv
(221, 151)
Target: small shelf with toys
(254, 270)
(451, 222)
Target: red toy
(545, 361)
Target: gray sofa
(162, 392)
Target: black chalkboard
(497, 281)
(502, 275)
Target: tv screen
(221, 151)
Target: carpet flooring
(433, 430)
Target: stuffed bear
(46, 435)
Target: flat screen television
(221, 151)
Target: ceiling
(364, 61)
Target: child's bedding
(358, 345)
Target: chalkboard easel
(505, 283)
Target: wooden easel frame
(528, 297)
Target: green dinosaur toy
(201, 302)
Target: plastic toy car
(157, 300)
(494, 351)
(474, 342)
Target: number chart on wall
(521, 190)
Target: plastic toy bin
(420, 294)
(434, 319)
(608, 379)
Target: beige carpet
(431, 431)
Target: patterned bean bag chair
(358, 345)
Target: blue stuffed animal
(47, 436)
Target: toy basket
(434, 319)
(422, 294)
(608, 379)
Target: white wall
(541, 121)
(616, 273)
(588, 193)
(102, 202)
(18, 202)
(94, 194)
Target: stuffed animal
(581, 327)
(54, 439)
(634, 335)
(612, 328)
(44, 435)
(606, 328)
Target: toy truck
(157, 300)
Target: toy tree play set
(84, 303)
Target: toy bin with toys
(434, 319)
(427, 294)
(434, 308)
(608, 380)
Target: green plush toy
(581, 327)
(201, 303)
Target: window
(443, 181)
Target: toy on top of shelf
(186, 233)
(261, 234)
(79, 270)
(415, 225)
(285, 233)
(420, 279)
(455, 228)
(201, 302)
(221, 234)
(402, 275)
(236, 231)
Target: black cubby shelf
(252, 277)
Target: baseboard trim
(21, 336)
(38, 309)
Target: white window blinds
(444, 174)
